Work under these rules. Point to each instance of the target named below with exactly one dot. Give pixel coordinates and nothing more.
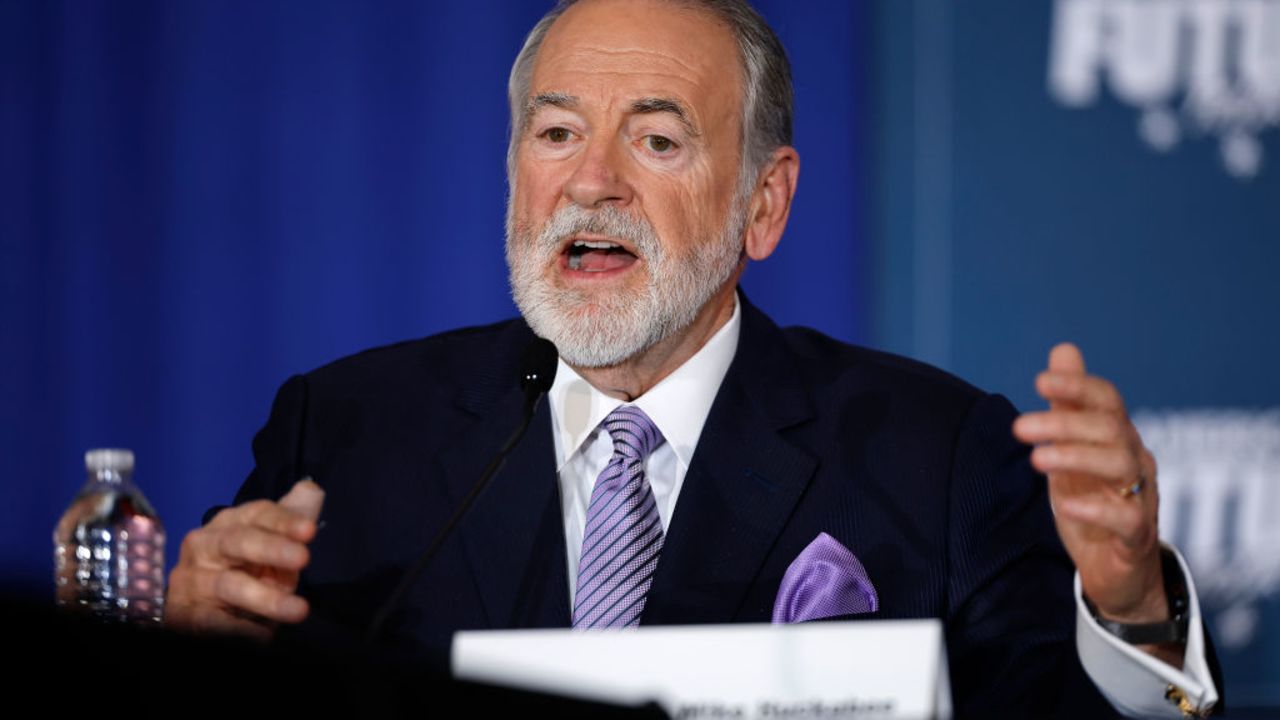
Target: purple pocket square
(825, 580)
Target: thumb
(305, 498)
(1066, 358)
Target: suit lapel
(514, 534)
(741, 488)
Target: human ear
(770, 204)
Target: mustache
(608, 221)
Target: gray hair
(767, 98)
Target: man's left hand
(1102, 485)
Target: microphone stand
(539, 371)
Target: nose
(598, 179)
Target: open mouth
(596, 256)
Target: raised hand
(1102, 485)
(238, 573)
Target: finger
(1109, 463)
(286, 580)
(1066, 358)
(251, 544)
(216, 548)
(210, 619)
(1123, 518)
(1083, 391)
(1148, 462)
(305, 498)
(1071, 426)
(191, 605)
(201, 549)
(240, 590)
(268, 515)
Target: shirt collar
(678, 404)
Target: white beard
(592, 329)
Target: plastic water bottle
(108, 548)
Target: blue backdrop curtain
(201, 198)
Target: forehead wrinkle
(643, 51)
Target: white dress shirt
(678, 406)
(1131, 680)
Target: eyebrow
(643, 106)
(552, 99)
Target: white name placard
(869, 669)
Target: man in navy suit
(650, 159)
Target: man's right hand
(238, 574)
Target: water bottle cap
(109, 459)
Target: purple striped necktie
(623, 537)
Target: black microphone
(537, 371)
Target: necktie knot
(634, 434)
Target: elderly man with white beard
(691, 452)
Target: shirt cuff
(1136, 683)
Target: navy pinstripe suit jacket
(913, 470)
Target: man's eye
(557, 135)
(659, 144)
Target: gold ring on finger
(1133, 489)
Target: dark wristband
(1173, 630)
